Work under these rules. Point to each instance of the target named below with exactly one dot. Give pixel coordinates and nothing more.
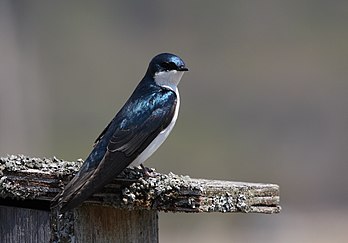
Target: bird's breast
(161, 137)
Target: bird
(133, 135)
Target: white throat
(169, 79)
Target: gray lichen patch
(8, 189)
(14, 185)
(53, 166)
(62, 227)
(220, 203)
(163, 192)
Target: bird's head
(167, 69)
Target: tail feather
(90, 180)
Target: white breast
(154, 145)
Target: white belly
(154, 145)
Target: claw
(147, 172)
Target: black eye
(169, 65)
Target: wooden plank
(105, 224)
(24, 225)
(90, 223)
(85, 224)
(40, 179)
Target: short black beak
(183, 69)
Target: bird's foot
(148, 172)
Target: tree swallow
(133, 135)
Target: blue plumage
(135, 129)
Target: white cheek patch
(169, 79)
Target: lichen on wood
(23, 177)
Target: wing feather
(131, 131)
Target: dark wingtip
(59, 206)
(56, 201)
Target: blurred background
(265, 100)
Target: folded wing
(131, 131)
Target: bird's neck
(169, 79)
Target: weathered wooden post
(125, 211)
